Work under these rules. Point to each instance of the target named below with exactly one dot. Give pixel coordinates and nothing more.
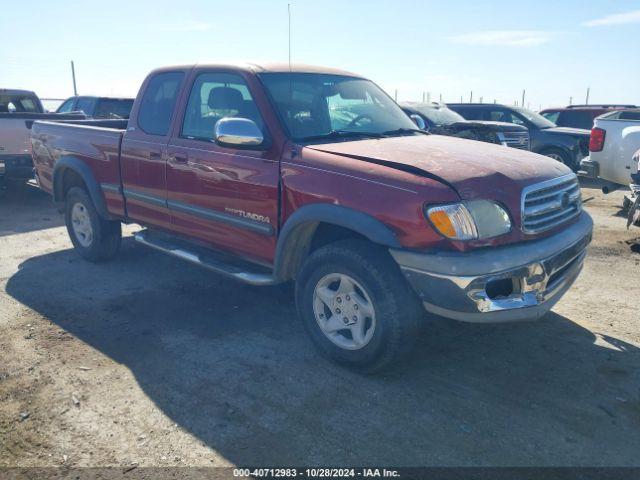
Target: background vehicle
(614, 140)
(274, 173)
(18, 110)
(441, 120)
(579, 116)
(567, 145)
(98, 107)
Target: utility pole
(440, 98)
(471, 97)
(522, 104)
(73, 76)
(570, 100)
(428, 97)
(395, 96)
(423, 97)
(586, 102)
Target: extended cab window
(18, 103)
(215, 96)
(158, 102)
(113, 108)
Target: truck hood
(574, 132)
(473, 169)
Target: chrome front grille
(514, 139)
(549, 204)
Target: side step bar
(207, 261)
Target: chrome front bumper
(502, 284)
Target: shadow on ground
(29, 209)
(232, 365)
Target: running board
(210, 261)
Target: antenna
(289, 17)
(73, 76)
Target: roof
(271, 67)
(15, 91)
(433, 105)
(478, 104)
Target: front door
(226, 197)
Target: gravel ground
(151, 361)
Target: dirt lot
(150, 360)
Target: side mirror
(237, 132)
(419, 121)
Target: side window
(577, 119)
(517, 119)
(66, 106)
(215, 96)
(551, 116)
(499, 116)
(158, 102)
(470, 113)
(86, 105)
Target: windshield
(535, 118)
(314, 106)
(23, 103)
(439, 115)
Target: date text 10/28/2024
(315, 473)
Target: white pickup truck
(615, 138)
(18, 110)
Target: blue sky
(553, 49)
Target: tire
(387, 335)
(94, 238)
(559, 155)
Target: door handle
(155, 155)
(178, 159)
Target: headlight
(476, 219)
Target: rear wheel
(94, 238)
(357, 306)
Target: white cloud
(615, 19)
(189, 26)
(506, 38)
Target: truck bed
(622, 140)
(94, 143)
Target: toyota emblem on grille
(564, 200)
(521, 141)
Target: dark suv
(579, 116)
(440, 120)
(567, 145)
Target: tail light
(596, 142)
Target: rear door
(143, 157)
(224, 196)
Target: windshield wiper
(400, 131)
(342, 134)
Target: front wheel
(357, 306)
(559, 155)
(94, 238)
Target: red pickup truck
(274, 173)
